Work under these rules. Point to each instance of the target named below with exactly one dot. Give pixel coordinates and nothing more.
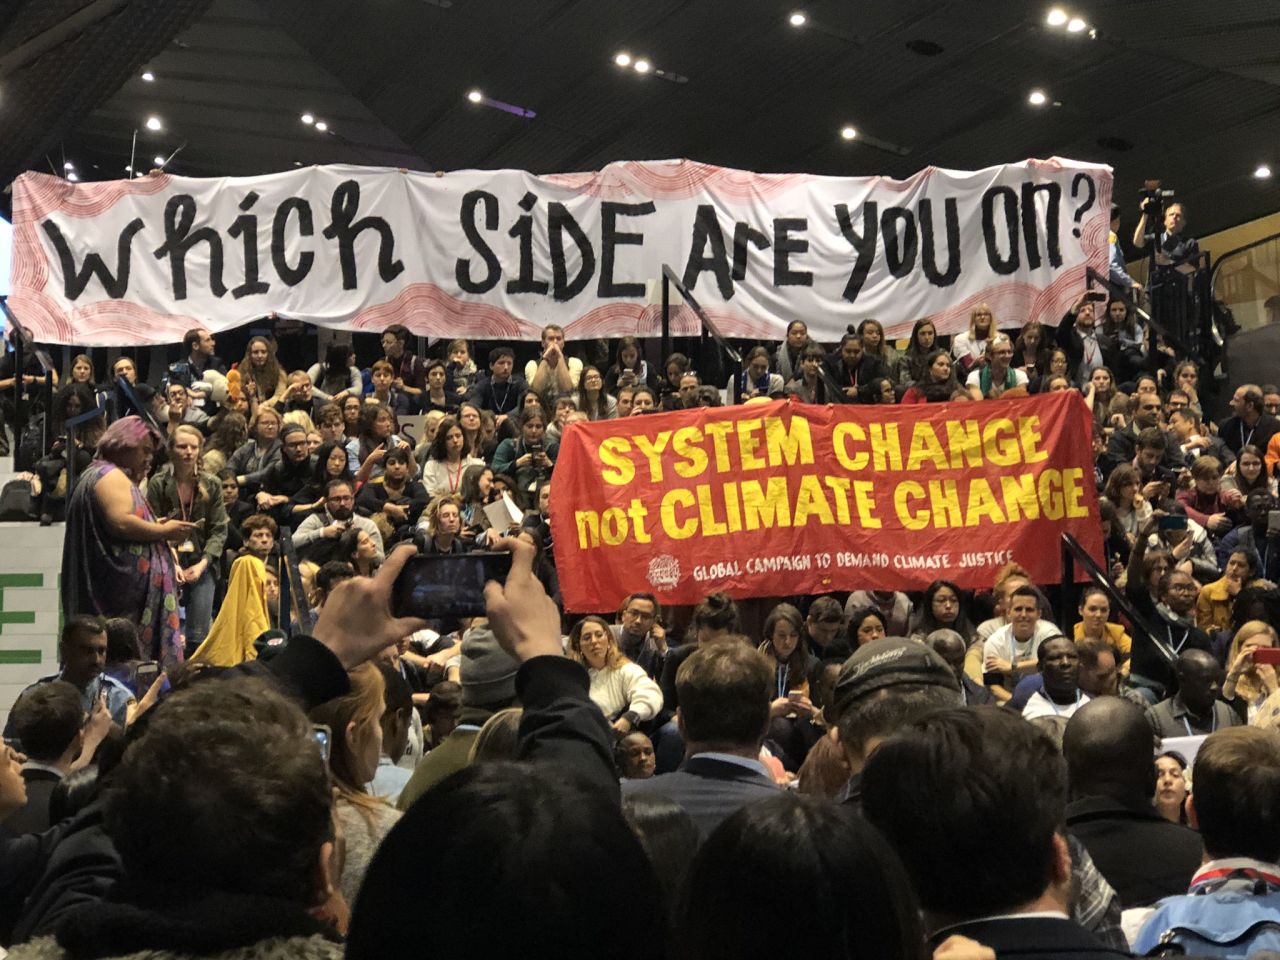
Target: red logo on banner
(787, 498)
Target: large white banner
(498, 254)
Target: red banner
(786, 498)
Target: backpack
(18, 501)
(1230, 924)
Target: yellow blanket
(242, 619)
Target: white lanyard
(1186, 633)
(1049, 700)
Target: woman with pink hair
(116, 559)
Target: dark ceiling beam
(56, 35)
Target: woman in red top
(940, 383)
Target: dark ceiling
(1183, 90)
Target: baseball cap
(891, 662)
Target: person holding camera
(1086, 347)
(528, 457)
(1174, 260)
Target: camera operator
(1175, 258)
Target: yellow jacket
(1213, 608)
(1117, 640)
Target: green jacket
(208, 512)
(445, 760)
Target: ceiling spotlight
(848, 133)
(622, 59)
(321, 126)
(475, 96)
(73, 177)
(158, 161)
(153, 123)
(308, 118)
(1037, 98)
(1263, 172)
(643, 66)
(128, 168)
(798, 19)
(68, 165)
(148, 76)
(1075, 25)
(1056, 18)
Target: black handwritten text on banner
(499, 253)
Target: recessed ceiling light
(128, 168)
(153, 123)
(848, 133)
(321, 126)
(1037, 98)
(643, 66)
(73, 176)
(622, 58)
(798, 19)
(1075, 25)
(1057, 17)
(1263, 172)
(68, 165)
(475, 96)
(158, 160)
(148, 76)
(308, 118)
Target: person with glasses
(995, 376)
(288, 477)
(316, 538)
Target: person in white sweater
(618, 687)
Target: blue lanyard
(1213, 727)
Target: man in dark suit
(1145, 857)
(1085, 347)
(724, 689)
(49, 721)
(1006, 790)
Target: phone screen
(447, 585)
(144, 674)
(1173, 522)
(1273, 521)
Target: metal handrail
(670, 279)
(1072, 553)
(22, 341)
(1213, 272)
(1118, 292)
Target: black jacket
(33, 816)
(708, 788)
(75, 863)
(1236, 434)
(869, 368)
(1034, 938)
(1142, 855)
(1072, 344)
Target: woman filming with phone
(529, 458)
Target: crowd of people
(246, 754)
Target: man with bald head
(1111, 776)
(1196, 708)
(950, 646)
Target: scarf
(984, 380)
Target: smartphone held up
(447, 585)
